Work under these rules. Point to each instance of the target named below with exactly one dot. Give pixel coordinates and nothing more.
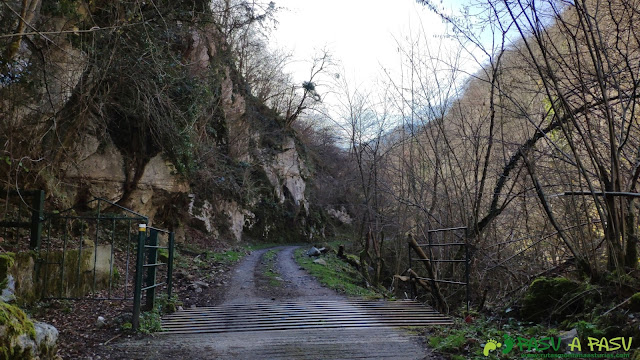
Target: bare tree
(365, 119)
(587, 80)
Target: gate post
(137, 292)
(412, 286)
(37, 213)
(170, 265)
(466, 270)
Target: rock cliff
(147, 110)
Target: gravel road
(295, 285)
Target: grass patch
(227, 257)
(336, 275)
(269, 259)
(150, 322)
(260, 246)
(467, 341)
(451, 342)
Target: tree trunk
(27, 13)
(631, 251)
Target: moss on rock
(14, 324)
(551, 297)
(7, 260)
(634, 302)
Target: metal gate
(97, 250)
(89, 252)
(438, 252)
(148, 260)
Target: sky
(361, 34)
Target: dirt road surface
(248, 287)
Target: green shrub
(453, 342)
(553, 297)
(587, 329)
(150, 322)
(166, 305)
(634, 302)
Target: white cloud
(358, 33)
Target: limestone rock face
(286, 172)
(203, 215)
(46, 339)
(44, 346)
(161, 174)
(234, 107)
(63, 70)
(341, 215)
(9, 292)
(61, 79)
(238, 218)
(200, 50)
(209, 217)
(95, 163)
(101, 168)
(106, 166)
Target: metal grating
(317, 314)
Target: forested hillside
(535, 154)
(531, 160)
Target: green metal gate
(88, 252)
(148, 260)
(97, 250)
(439, 252)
